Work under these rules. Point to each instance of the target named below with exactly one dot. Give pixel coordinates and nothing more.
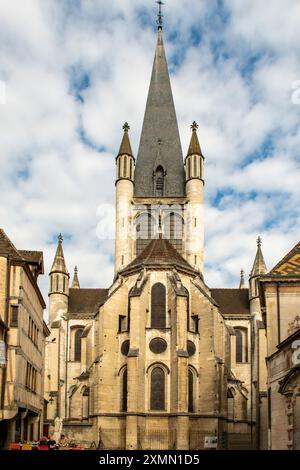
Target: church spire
(160, 149)
(125, 147)
(75, 283)
(194, 147)
(259, 265)
(59, 264)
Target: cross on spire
(160, 15)
(194, 126)
(126, 127)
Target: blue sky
(76, 70)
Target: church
(159, 360)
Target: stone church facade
(158, 360)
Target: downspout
(7, 298)
(58, 378)
(278, 313)
(66, 371)
(258, 440)
(251, 375)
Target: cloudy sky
(76, 70)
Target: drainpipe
(7, 298)
(278, 313)
(251, 376)
(58, 380)
(66, 371)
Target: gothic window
(144, 231)
(159, 181)
(64, 284)
(191, 392)
(241, 344)
(173, 230)
(157, 389)
(77, 344)
(130, 169)
(57, 282)
(124, 390)
(158, 306)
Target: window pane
(124, 391)
(158, 306)
(191, 392)
(157, 389)
(239, 346)
(77, 345)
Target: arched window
(144, 231)
(130, 169)
(159, 181)
(173, 229)
(124, 390)
(158, 388)
(77, 344)
(158, 306)
(241, 344)
(191, 392)
(119, 168)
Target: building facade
(280, 300)
(22, 343)
(158, 360)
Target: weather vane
(160, 15)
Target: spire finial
(126, 127)
(194, 126)
(60, 238)
(160, 15)
(75, 270)
(259, 241)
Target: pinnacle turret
(75, 283)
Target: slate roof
(32, 256)
(160, 141)
(86, 300)
(8, 248)
(290, 264)
(159, 252)
(232, 301)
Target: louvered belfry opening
(159, 181)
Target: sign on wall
(210, 442)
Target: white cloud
(62, 181)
